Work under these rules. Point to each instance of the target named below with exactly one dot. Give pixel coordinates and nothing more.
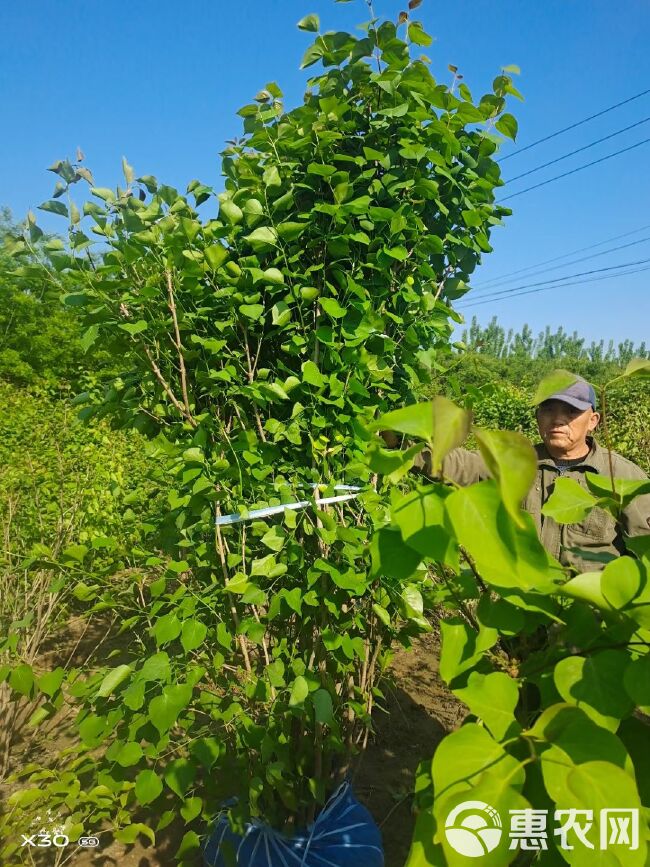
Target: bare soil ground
(418, 712)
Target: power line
(561, 286)
(578, 150)
(572, 262)
(564, 255)
(567, 277)
(573, 125)
(573, 171)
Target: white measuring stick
(277, 510)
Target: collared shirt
(598, 534)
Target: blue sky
(161, 82)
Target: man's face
(564, 428)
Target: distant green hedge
(62, 478)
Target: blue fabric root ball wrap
(343, 835)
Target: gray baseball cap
(581, 395)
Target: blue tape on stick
(237, 518)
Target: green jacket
(598, 533)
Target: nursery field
(419, 710)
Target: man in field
(566, 422)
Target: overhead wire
(558, 281)
(578, 150)
(573, 126)
(561, 285)
(573, 171)
(570, 279)
(563, 256)
(482, 288)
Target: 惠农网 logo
(473, 829)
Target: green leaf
(191, 808)
(289, 231)
(461, 758)
(555, 382)
(190, 843)
(129, 755)
(310, 23)
(420, 516)
(299, 691)
(21, 679)
(275, 276)
(179, 776)
(621, 581)
(39, 715)
(193, 634)
(273, 390)
(625, 490)
(569, 503)
(472, 218)
(507, 125)
(165, 709)
(113, 679)
(505, 554)
(281, 314)
(103, 193)
(638, 367)
(597, 787)
(206, 750)
(494, 787)
(391, 557)
(321, 170)
(462, 646)
(624, 586)
(148, 786)
(312, 375)
(216, 255)
(512, 463)
(166, 628)
(323, 708)
(54, 207)
(76, 552)
(130, 833)
(251, 311)
(262, 238)
(271, 177)
(332, 307)
(381, 613)
(587, 587)
(50, 682)
(637, 683)
(268, 566)
(493, 698)
(393, 463)
(413, 607)
(129, 174)
(274, 538)
(417, 35)
(400, 253)
(414, 420)
(231, 212)
(134, 327)
(594, 684)
(569, 729)
(449, 429)
(89, 337)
